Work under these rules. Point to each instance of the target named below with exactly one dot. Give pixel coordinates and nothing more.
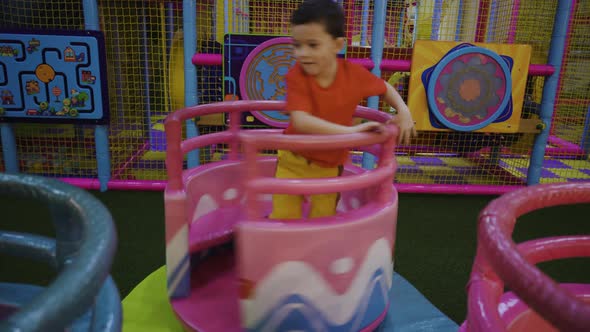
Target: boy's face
(315, 49)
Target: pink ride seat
(216, 200)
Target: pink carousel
(536, 302)
(229, 268)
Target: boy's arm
(371, 85)
(299, 104)
(306, 123)
(403, 118)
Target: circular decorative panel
(469, 88)
(262, 77)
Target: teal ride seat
(83, 296)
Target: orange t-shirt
(335, 103)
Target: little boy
(323, 92)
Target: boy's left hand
(403, 119)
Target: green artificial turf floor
(434, 249)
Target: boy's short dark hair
(326, 12)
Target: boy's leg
(288, 206)
(324, 205)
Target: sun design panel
(468, 87)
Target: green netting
(144, 45)
(571, 121)
(51, 150)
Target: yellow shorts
(293, 166)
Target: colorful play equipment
(536, 302)
(57, 77)
(82, 297)
(468, 87)
(217, 232)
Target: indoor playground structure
(185, 97)
(87, 85)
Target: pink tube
(565, 56)
(375, 324)
(93, 184)
(367, 63)
(561, 247)
(396, 65)
(541, 70)
(483, 293)
(564, 147)
(370, 114)
(314, 142)
(425, 149)
(320, 186)
(204, 59)
(562, 143)
(454, 189)
(561, 152)
(206, 140)
(513, 21)
(482, 20)
(386, 64)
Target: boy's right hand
(371, 126)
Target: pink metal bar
(134, 157)
(320, 186)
